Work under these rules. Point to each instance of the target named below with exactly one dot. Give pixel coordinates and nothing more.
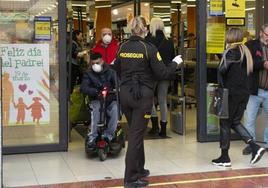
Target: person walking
(107, 46)
(77, 59)
(137, 64)
(165, 47)
(258, 86)
(235, 67)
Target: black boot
(223, 160)
(163, 131)
(155, 128)
(257, 152)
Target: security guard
(138, 65)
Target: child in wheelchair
(98, 79)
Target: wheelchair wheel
(102, 154)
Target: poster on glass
(25, 84)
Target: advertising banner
(215, 38)
(25, 84)
(42, 28)
(235, 8)
(216, 8)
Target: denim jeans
(111, 112)
(251, 113)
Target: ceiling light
(115, 12)
(129, 9)
(146, 4)
(248, 9)
(78, 5)
(161, 6)
(103, 6)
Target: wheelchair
(103, 147)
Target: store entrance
(179, 25)
(188, 95)
(212, 26)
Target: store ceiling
(29, 8)
(35, 7)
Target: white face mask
(97, 67)
(107, 39)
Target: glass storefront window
(220, 19)
(29, 50)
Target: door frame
(63, 110)
(201, 67)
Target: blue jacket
(93, 83)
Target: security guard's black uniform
(138, 64)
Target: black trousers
(75, 76)
(237, 106)
(136, 112)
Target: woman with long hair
(165, 46)
(235, 67)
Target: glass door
(32, 80)
(215, 17)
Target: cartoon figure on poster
(37, 108)
(21, 107)
(8, 97)
(25, 83)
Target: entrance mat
(83, 130)
(253, 177)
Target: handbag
(219, 103)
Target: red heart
(22, 87)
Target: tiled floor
(178, 155)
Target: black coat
(93, 83)
(139, 61)
(234, 74)
(258, 64)
(164, 46)
(76, 48)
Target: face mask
(97, 67)
(107, 39)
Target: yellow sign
(235, 22)
(215, 38)
(216, 8)
(235, 8)
(42, 28)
